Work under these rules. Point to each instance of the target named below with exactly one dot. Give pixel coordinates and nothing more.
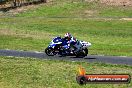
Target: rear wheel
(82, 53)
(49, 51)
(85, 52)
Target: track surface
(89, 58)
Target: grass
(79, 9)
(33, 30)
(94, 22)
(37, 73)
(109, 37)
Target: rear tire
(83, 53)
(49, 51)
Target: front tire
(49, 51)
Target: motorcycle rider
(72, 42)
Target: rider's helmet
(67, 36)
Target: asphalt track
(89, 58)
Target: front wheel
(49, 51)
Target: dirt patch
(117, 2)
(128, 19)
(7, 32)
(17, 10)
(26, 34)
(113, 2)
(21, 9)
(90, 12)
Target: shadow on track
(83, 57)
(89, 58)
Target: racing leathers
(65, 46)
(75, 44)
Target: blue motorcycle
(57, 46)
(61, 47)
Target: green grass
(78, 9)
(34, 29)
(37, 73)
(109, 37)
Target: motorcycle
(59, 46)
